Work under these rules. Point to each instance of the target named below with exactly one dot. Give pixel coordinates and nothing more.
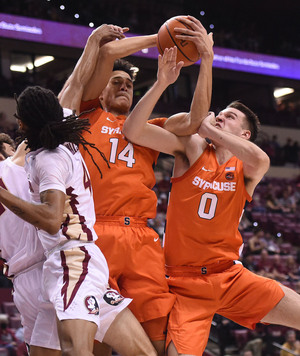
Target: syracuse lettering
(220, 186)
(111, 130)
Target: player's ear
(246, 134)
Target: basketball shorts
(136, 265)
(236, 293)
(76, 283)
(38, 318)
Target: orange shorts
(236, 294)
(136, 267)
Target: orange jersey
(126, 187)
(206, 204)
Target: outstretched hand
(197, 34)
(107, 33)
(168, 70)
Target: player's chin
(123, 107)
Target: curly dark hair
(45, 125)
(5, 138)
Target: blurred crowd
(262, 27)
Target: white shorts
(38, 318)
(76, 283)
(111, 304)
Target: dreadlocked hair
(45, 125)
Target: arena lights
(56, 33)
(29, 65)
(279, 92)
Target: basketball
(186, 50)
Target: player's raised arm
(71, 93)
(136, 128)
(108, 53)
(94, 67)
(187, 123)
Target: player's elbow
(52, 228)
(51, 225)
(263, 160)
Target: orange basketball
(186, 50)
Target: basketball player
(24, 256)
(124, 199)
(7, 146)
(75, 273)
(210, 185)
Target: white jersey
(19, 243)
(63, 169)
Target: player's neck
(222, 154)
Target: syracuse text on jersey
(220, 186)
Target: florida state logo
(112, 297)
(92, 305)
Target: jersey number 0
(207, 206)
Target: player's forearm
(39, 215)
(128, 46)
(108, 53)
(136, 123)
(243, 149)
(71, 94)
(202, 96)
(184, 124)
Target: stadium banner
(68, 35)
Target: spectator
(264, 265)
(293, 271)
(271, 203)
(257, 243)
(7, 146)
(271, 245)
(291, 344)
(286, 201)
(275, 159)
(277, 270)
(287, 151)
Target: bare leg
(171, 351)
(159, 346)
(43, 351)
(132, 339)
(76, 337)
(156, 330)
(287, 311)
(101, 349)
